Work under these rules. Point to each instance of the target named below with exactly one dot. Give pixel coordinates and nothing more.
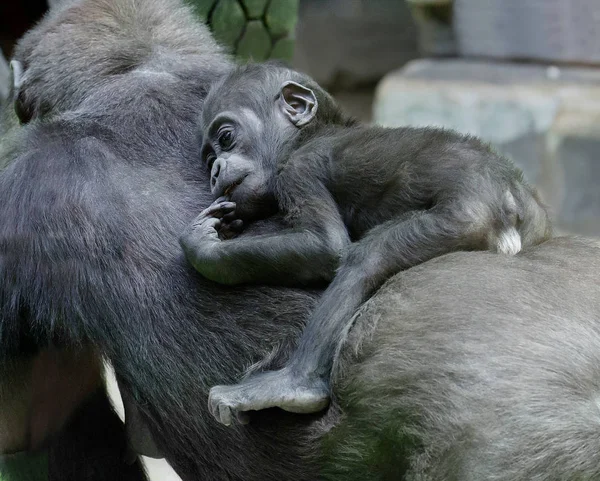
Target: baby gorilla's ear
(298, 103)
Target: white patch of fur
(157, 469)
(509, 202)
(154, 73)
(509, 242)
(113, 390)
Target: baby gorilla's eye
(226, 139)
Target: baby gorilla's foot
(280, 389)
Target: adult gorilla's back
(101, 184)
(467, 367)
(476, 367)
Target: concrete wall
(547, 119)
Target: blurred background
(522, 74)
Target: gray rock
(436, 30)
(344, 43)
(580, 164)
(552, 30)
(546, 119)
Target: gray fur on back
(486, 368)
(124, 38)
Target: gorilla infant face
(249, 125)
(238, 168)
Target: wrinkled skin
(463, 349)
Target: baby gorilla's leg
(302, 386)
(284, 389)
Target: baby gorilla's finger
(210, 211)
(218, 210)
(207, 222)
(242, 417)
(214, 223)
(236, 225)
(225, 415)
(231, 230)
(221, 199)
(230, 217)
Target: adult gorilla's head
(76, 51)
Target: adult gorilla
(473, 366)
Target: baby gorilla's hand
(213, 224)
(230, 226)
(202, 240)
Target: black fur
(96, 191)
(404, 196)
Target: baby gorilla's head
(249, 122)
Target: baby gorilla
(362, 203)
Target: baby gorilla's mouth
(231, 187)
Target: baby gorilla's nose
(216, 170)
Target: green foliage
(278, 16)
(368, 448)
(252, 29)
(24, 466)
(283, 48)
(255, 42)
(228, 21)
(255, 8)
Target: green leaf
(228, 21)
(255, 44)
(255, 8)
(281, 17)
(284, 49)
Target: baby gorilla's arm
(291, 257)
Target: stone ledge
(348, 43)
(546, 119)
